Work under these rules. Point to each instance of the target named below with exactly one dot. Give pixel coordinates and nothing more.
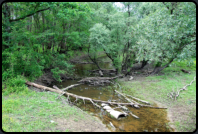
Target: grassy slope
(156, 88)
(35, 112)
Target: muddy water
(82, 69)
(150, 120)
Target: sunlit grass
(157, 87)
(32, 112)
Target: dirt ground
(89, 124)
(74, 123)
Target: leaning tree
(166, 34)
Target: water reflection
(150, 120)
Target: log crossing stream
(150, 119)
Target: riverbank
(182, 112)
(35, 111)
(32, 111)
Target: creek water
(150, 119)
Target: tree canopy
(40, 36)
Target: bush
(15, 84)
(56, 73)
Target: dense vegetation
(40, 36)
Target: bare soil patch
(74, 124)
(179, 112)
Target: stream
(150, 119)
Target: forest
(44, 37)
(39, 36)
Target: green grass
(157, 87)
(33, 111)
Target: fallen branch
(98, 80)
(85, 98)
(71, 86)
(134, 115)
(139, 99)
(134, 97)
(174, 95)
(104, 70)
(185, 71)
(135, 103)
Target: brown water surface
(150, 119)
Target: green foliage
(14, 84)
(37, 36)
(165, 34)
(99, 35)
(56, 73)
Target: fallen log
(85, 98)
(88, 79)
(185, 71)
(104, 70)
(99, 78)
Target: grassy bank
(31, 111)
(34, 111)
(183, 110)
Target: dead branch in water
(136, 106)
(174, 95)
(84, 98)
(71, 86)
(139, 99)
(98, 80)
(124, 95)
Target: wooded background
(40, 36)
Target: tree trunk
(94, 61)
(6, 24)
(144, 63)
(43, 18)
(157, 69)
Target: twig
(174, 95)
(134, 115)
(59, 90)
(139, 99)
(136, 106)
(70, 87)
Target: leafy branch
(11, 20)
